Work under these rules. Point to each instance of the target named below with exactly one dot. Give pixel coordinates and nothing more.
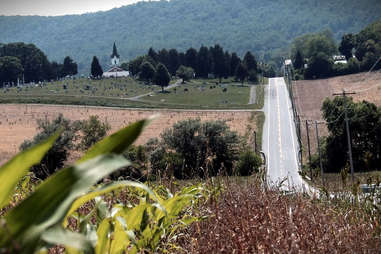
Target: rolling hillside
(262, 26)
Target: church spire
(114, 52)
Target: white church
(115, 71)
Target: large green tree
(147, 71)
(241, 72)
(10, 69)
(346, 45)
(70, 68)
(162, 77)
(319, 66)
(250, 62)
(299, 60)
(365, 130)
(185, 73)
(33, 60)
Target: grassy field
(208, 94)
(117, 93)
(118, 88)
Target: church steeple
(114, 56)
(114, 52)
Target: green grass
(115, 93)
(205, 94)
(118, 88)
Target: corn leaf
(12, 172)
(120, 240)
(106, 189)
(50, 202)
(103, 233)
(71, 240)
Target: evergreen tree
(204, 62)
(299, 60)
(162, 77)
(234, 62)
(147, 71)
(182, 58)
(241, 72)
(96, 69)
(152, 53)
(191, 58)
(69, 67)
(250, 62)
(163, 57)
(173, 61)
(218, 61)
(227, 70)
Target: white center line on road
(281, 164)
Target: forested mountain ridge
(261, 26)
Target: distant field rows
(18, 121)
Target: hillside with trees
(263, 27)
(313, 54)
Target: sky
(58, 7)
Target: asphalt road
(280, 142)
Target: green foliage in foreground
(45, 218)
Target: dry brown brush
(247, 219)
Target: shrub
(205, 148)
(57, 155)
(92, 131)
(248, 163)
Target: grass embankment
(334, 181)
(115, 93)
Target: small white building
(115, 71)
(339, 59)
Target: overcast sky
(58, 7)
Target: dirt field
(18, 122)
(310, 94)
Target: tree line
(313, 53)
(203, 63)
(27, 63)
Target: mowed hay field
(310, 94)
(18, 121)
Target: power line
(344, 94)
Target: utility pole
(308, 146)
(321, 162)
(344, 94)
